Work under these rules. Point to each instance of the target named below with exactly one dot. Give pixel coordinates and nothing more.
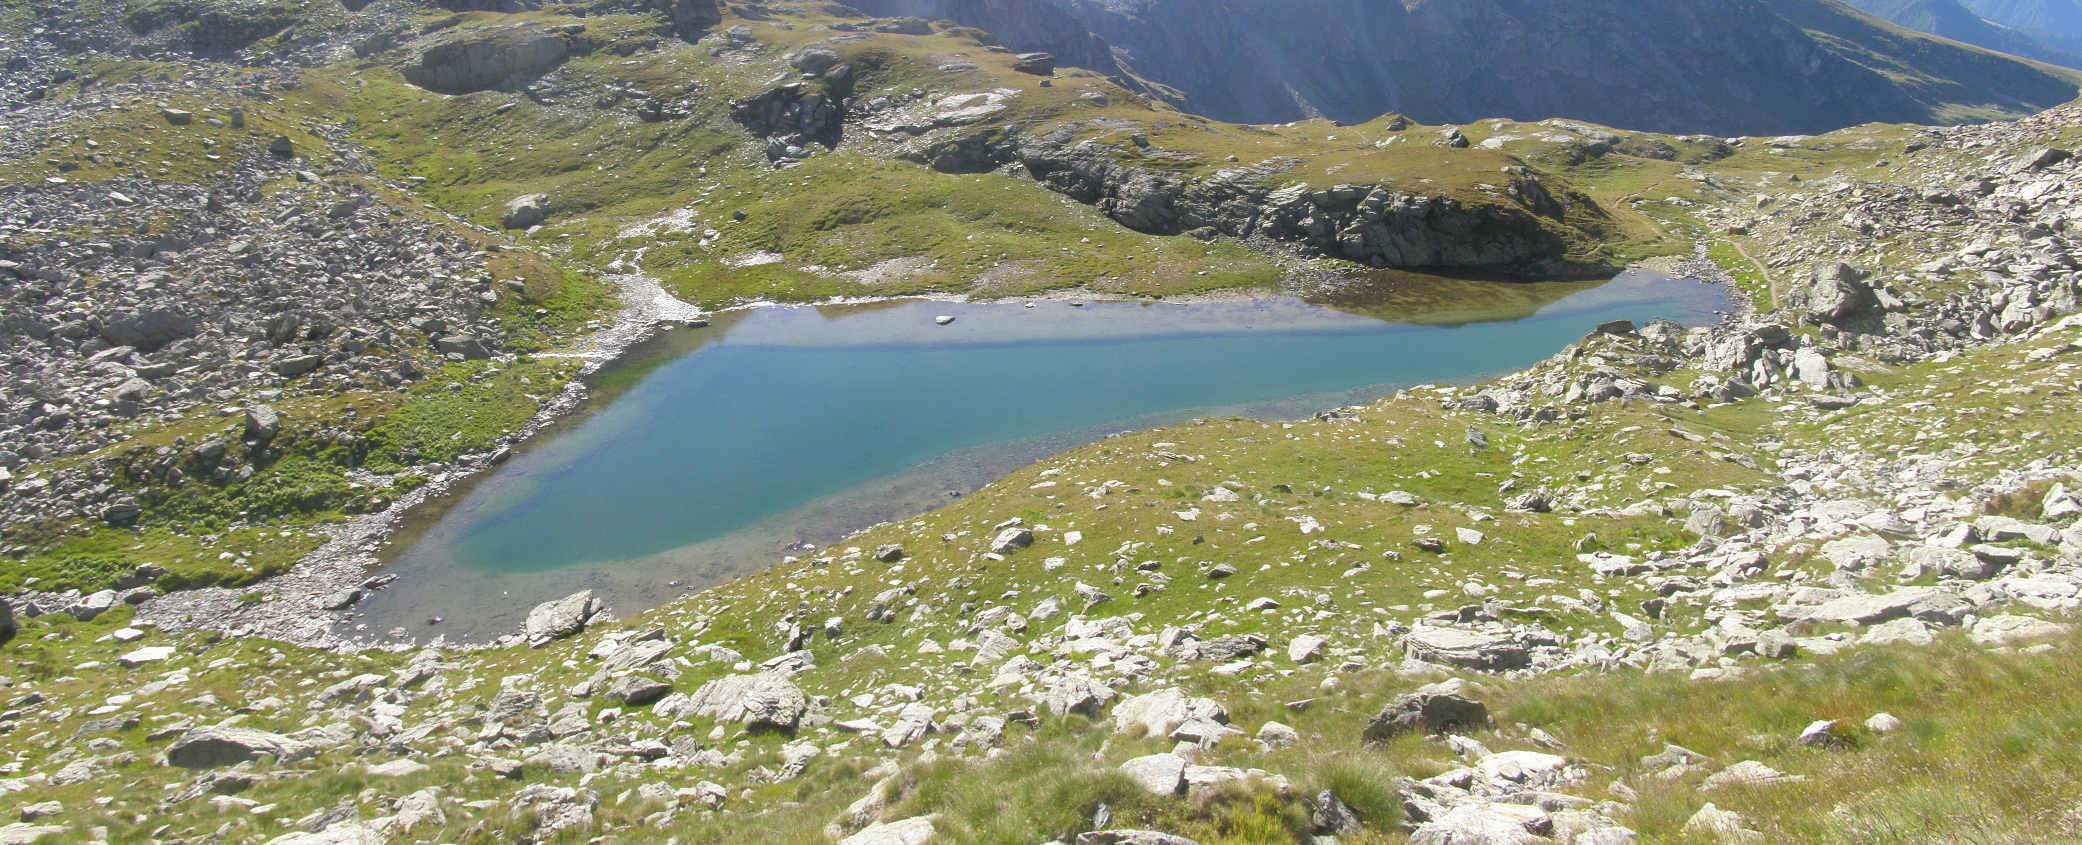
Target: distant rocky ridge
(1952, 20)
(1720, 66)
(2059, 21)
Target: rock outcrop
(791, 117)
(1377, 225)
(210, 747)
(492, 58)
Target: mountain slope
(2054, 22)
(1021, 24)
(1949, 19)
(1721, 66)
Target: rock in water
(552, 620)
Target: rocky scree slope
(1190, 634)
(220, 326)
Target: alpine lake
(707, 453)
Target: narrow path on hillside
(1770, 283)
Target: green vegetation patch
(464, 407)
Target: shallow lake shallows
(711, 451)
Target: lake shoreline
(310, 604)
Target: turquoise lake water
(715, 451)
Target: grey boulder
(524, 211)
(1435, 708)
(552, 620)
(210, 747)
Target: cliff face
(1373, 224)
(1720, 66)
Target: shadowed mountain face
(1950, 19)
(1719, 66)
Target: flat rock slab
(2002, 630)
(1466, 649)
(1488, 824)
(1868, 609)
(917, 830)
(1160, 774)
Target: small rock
(1306, 648)
(1274, 736)
(1747, 773)
(2003, 630)
(917, 830)
(1160, 774)
(1721, 825)
(1012, 539)
(1823, 733)
(148, 654)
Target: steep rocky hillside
(1721, 66)
(1952, 20)
(273, 272)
